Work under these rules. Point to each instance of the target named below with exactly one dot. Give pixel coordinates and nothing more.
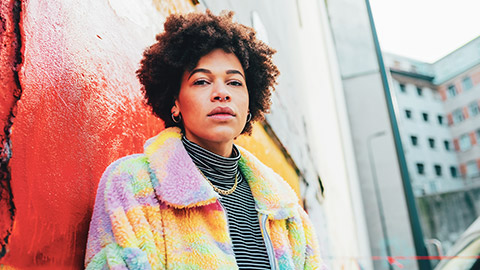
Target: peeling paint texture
(80, 108)
(10, 60)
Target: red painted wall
(80, 109)
(10, 91)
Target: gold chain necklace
(221, 191)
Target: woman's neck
(223, 149)
(220, 171)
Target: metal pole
(377, 194)
(418, 240)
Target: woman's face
(213, 100)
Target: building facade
(426, 137)
(438, 113)
(458, 82)
(437, 107)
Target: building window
(425, 117)
(458, 116)
(438, 170)
(472, 168)
(408, 114)
(473, 108)
(403, 89)
(465, 142)
(419, 91)
(420, 169)
(467, 83)
(440, 119)
(453, 171)
(431, 142)
(451, 91)
(477, 133)
(414, 140)
(447, 145)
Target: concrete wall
(309, 117)
(373, 140)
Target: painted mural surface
(70, 105)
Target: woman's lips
(221, 116)
(221, 113)
(221, 110)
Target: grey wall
(309, 117)
(288, 112)
(368, 114)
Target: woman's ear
(175, 109)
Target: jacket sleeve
(121, 235)
(313, 259)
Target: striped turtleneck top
(248, 245)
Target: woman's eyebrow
(199, 70)
(204, 70)
(234, 71)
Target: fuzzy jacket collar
(179, 183)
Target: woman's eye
(200, 82)
(235, 83)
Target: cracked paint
(10, 61)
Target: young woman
(194, 200)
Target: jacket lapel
(273, 196)
(175, 178)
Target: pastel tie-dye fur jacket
(156, 211)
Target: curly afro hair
(186, 38)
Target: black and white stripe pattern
(248, 245)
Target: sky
(425, 30)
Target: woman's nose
(220, 93)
